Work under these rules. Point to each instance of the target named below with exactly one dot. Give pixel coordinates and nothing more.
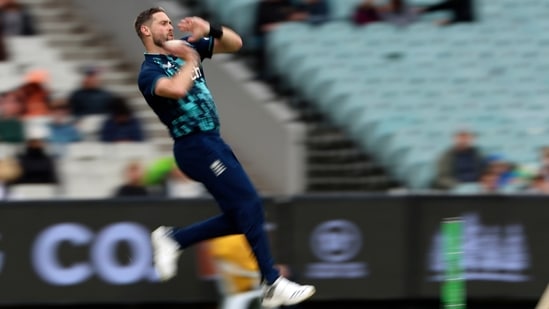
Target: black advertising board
(505, 250)
(95, 252)
(352, 248)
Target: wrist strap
(216, 31)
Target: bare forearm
(179, 84)
(225, 39)
(230, 42)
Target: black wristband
(215, 31)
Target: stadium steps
(334, 163)
(344, 169)
(329, 141)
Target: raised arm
(226, 40)
(178, 85)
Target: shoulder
(77, 92)
(134, 121)
(477, 152)
(149, 72)
(149, 68)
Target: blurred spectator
(270, 14)
(62, 128)
(158, 170)
(179, 185)
(234, 259)
(462, 163)
(38, 167)
(16, 19)
(317, 11)
(365, 13)
(504, 170)
(36, 96)
(11, 102)
(133, 185)
(489, 182)
(90, 98)
(538, 185)
(121, 125)
(544, 163)
(462, 10)
(398, 13)
(236, 264)
(9, 171)
(11, 126)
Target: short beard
(158, 42)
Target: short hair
(144, 17)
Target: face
(545, 157)
(35, 143)
(7, 2)
(500, 167)
(538, 183)
(490, 181)
(134, 173)
(160, 29)
(92, 81)
(463, 140)
(11, 106)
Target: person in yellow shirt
(235, 263)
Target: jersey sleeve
(204, 46)
(148, 79)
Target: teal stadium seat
(335, 91)
(418, 167)
(379, 128)
(342, 9)
(213, 7)
(241, 16)
(421, 175)
(280, 39)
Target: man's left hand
(196, 26)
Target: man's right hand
(182, 49)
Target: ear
(145, 30)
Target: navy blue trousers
(206, 158)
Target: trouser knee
(249, 216)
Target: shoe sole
(302, 299)
(269, 304)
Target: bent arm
(227, 41)
(230, 42)
(178, 85)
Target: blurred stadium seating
(67, 43)
(400, 93)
